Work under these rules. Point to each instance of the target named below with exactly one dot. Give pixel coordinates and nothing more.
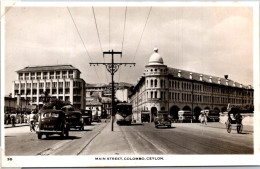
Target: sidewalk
(16, 125)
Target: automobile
(52, 122)
(75, 120)
(87, 116)
(162, 119)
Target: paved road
(142, 139)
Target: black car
(75, 119)
(52, 122)
(87, 116)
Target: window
(64, 74)
(54, 84)
(51, 75)
(41, 85)
(45, 75)
(20, 76)
(33, 75)
(155, 94)
(67, 84)
(57, 74)
(155, 83)
(151, 83)
(60, 84)
(151, 94)
(26, 76)
(38, 75)
(70, 74)
(48, 84)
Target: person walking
(32, 120)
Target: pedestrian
(32, 119)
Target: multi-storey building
(59, 81)
(163, 88)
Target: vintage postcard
(120, 84)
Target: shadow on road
(165, 128)
(75, 130)
(137, 124)
(59, 138)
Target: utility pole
(112, 69)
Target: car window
(50, 114)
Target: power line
(142, 32)
(97, 29)
(82, 41)
(122, 41)
(98, 36)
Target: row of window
(34, 91)
(155, 70)
(41, 85)
(155, 83)
(46, 75)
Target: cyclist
(32, 119)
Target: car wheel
(39, 136)
(47, 135)
(156, 126)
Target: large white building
(166, 89)
(59, 81)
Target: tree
(55, 102)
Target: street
(137, 139)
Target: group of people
(15, 118)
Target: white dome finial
(155, 50)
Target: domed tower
(156, 82)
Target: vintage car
(75, 119)
(52, 122)
(162, 119)
(87, 116)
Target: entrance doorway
(153, 113)
(174, 112)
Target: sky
(208, 40)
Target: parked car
(87, 116)
(75, 120)
(52, 122)
(162, 119)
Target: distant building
(166, 89)
(102, 93)
(59, 81)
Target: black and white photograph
(129, 84)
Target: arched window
(155, 83)
(151, 82)
(161, 83)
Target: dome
(156, 58)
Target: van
(185, 116)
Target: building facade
(166, 89)
(59, 81)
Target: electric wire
(142, 33)
(122, 42)
(82, 41)
(93, 10)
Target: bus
(124, 113)
(185, 116)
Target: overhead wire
(82, 41)
(142, 33)
(93, 10)
(122, 42)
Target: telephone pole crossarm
(112, 69)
